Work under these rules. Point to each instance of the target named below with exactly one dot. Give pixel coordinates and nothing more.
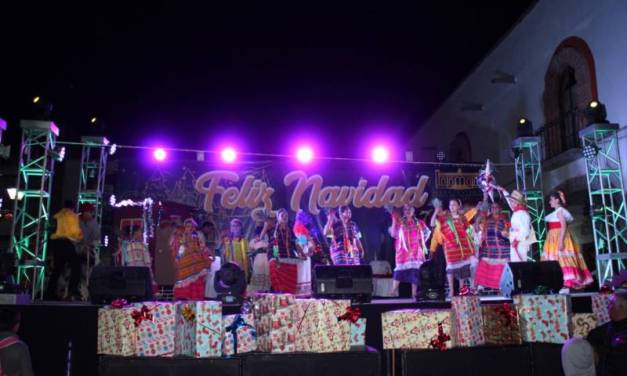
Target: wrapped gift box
(156, 337)
(244, 327)
(600, 308)
(413, 328)
(501, 324)
(358, 333)
(318, 328)
(543, 318)
(467, 321)
(199, 329)
(582, 324)
(275, 322)
(117, 334)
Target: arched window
(569, 85)
(460, 149)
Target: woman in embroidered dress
(410, 234)
(560, 246)
(235, 247)
(494, 246)
(261, 246)
(290, 267)
(346, 247)
(452, 230)
(192, 260)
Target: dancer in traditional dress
(290, 268)
(261, 246)
(452, 231)
(521, 233)
(494, 250)
(346, 247)
(410, 234)
(134, 251)
(560, 245)
(192, 261)
(235, 247)
(209, 235)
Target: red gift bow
(465, 291)
(605, 289)
(509, 313)
(439, 341)
(143, 314)
(352, 314)
(119, 303)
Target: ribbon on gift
(237, 323)
(141, 315)
(541, 290)
(439, 340)
(605, 289)
(119, 303)
(352, 314)
(188, 313)
(465, 291)
(509, 313)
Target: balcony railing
(562, 135)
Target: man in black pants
(62, 245)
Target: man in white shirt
(521, 233)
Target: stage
(61, 334)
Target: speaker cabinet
(529, 275)
(107, 283)
(343, 282)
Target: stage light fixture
(440, 156)
(113, 149)
(596, 112)
(93, 120)
(304, 154)
(380, 155)
(59, 153)
(230, 283)
(36, 100)
(160, 154)
(524, 128)
(229, 155)
(590, 151)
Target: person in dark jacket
(14, 354)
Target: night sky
(194, 74)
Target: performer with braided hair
(560, 246)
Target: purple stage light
(304, 154)
(160, 154)
(228, 154)
(380, 154)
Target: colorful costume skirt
(489, 272)
(192, 290)
(291, 276)
(260, 279)
(574, 269)
(340, 257)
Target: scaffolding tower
(92, 178)
(528, 165)
(607, 198)
(31, 214)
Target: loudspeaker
(107, 283)
(343, 282)
(529, 275)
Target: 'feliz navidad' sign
(254, 192)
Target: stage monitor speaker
(343, 282)
(530, 275)
(431, 278)
(107, 283)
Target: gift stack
(140, 329)
(416, 329)
(467, 321)
(275, 322)
(501, 325)
(358, 333)
(323, 325)
(600, 308)
(582, 323)
(240, 335)
(543, 318)
(199, 329)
